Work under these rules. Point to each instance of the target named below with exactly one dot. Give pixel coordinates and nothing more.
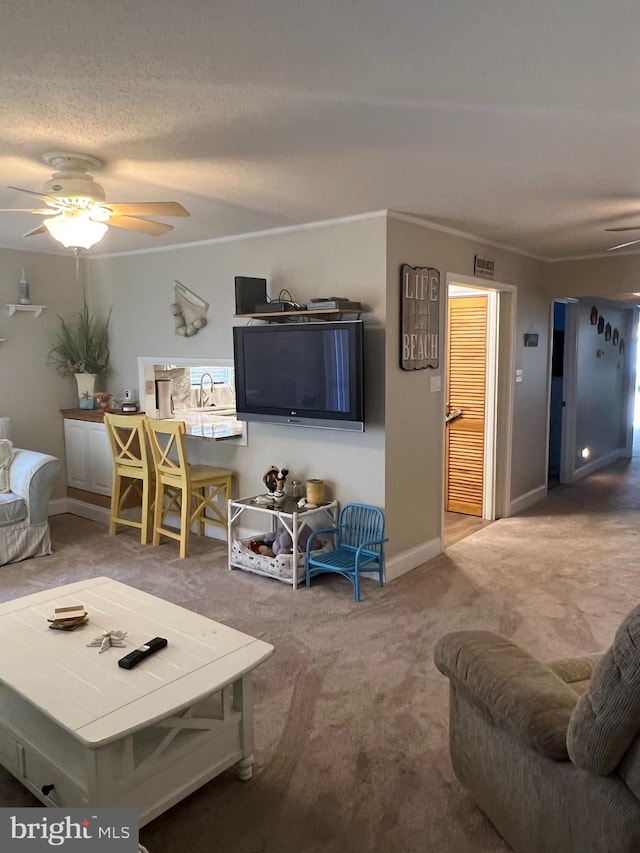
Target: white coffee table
(77, 730)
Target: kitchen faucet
(202, 394)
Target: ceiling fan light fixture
(78, 215)
(75, 229)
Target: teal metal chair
(359, 546)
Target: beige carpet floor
(351, 714)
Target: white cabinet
(88, 456)
(100, 463)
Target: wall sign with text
(483, 267)
(419, 317)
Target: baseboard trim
(102, 515)
(596, 464)
(212, 531)
(527, 500)
(87, 510)
(404, 562)
(58, 506)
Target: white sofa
(24, 525)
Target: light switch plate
(435, 383)
(518, 376)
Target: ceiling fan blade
(39, 230)
(627, 228)
(47, 212)
(144, 226)
(622, 245)
(147, 208)
(48, 198)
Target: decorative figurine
(281, 479)
(108, 639)
(274, 479)
(189, 311)
(23, 289)
(270, 479)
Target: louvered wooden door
(466, 390)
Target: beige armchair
(550, 752)
(24, 524)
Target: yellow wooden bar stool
(190, 490)
(132, 471)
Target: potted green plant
(82, 350)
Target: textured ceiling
(518, 122)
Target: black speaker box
(250, 292)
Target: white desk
(78, 730)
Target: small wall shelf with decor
(36, 310)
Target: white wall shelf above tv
(283, 316)
(36, 310)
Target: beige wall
(414, 414)
(337, 259)
(607, 276)
(602, 381)
(31, 393)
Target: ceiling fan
(77, 213)
(629, 243)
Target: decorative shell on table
(108, 639)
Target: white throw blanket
(6, 456)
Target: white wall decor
(189, 311)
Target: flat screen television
(304, 374)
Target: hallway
(562, 574)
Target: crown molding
(249, 235)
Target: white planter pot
(86, 384)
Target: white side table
(289, 515)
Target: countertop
(93, 415)
(197, 424)
(209, 425)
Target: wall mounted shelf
(283, 316)
(36, 310)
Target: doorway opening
(636, 406)
(478, 374)
(556, 403)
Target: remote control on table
(139, 654)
